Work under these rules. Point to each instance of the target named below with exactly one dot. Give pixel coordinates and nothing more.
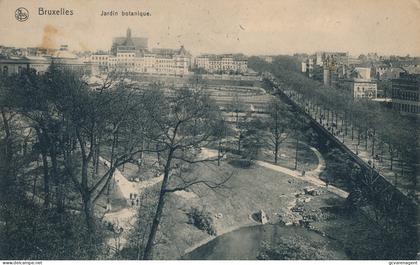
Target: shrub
(297, 248)
(202, 220)
(241, 163)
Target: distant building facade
(359, 82)
(224, 63)
(63, 59)
(130, 54)
(361, 88)
(405, 94)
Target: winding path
(310, 176)
(126, 217)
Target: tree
(182, 124)
(278, 125)
(72, 121)
(251, 136)
(237, 106)
(221, 131)
(300, 128)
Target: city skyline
(264, 27)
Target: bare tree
(278, 125)
(183, 123)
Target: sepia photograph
(191, 130)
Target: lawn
(248, 191)
(257, 188)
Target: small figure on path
(108, 205)
(137, 202)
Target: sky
(223, 26)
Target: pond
(245, 243)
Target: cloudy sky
(251, 27)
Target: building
(222, 64)
(130, 54)
(172, 61)
(157, 61)
(308, 67)
(360, 88)
(267, 58)
(338, 57)
(304, 67)
(405, 94)
(128, 43)
(15, 65)
(363, 72)
(62, 58)
(359, 82)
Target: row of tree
(384, 128)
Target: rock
(308, 189)
(263, 217)
(218, 215)
(315, 193)
(297, 209)
(311, 191)
(304, 223)
(307, 199)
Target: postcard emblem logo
(21, 14)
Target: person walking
(108, 206)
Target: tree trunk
(276, 151)
(88, 211)
(219, 152)
(6, 165)
(296, 155)
(57, 180)
(373, 142)
(46, 179)
(239, 143)
(366, 139)
(391, 154)
(44, 144)
(158, 214)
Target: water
(245, 243)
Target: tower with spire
(128, 43)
